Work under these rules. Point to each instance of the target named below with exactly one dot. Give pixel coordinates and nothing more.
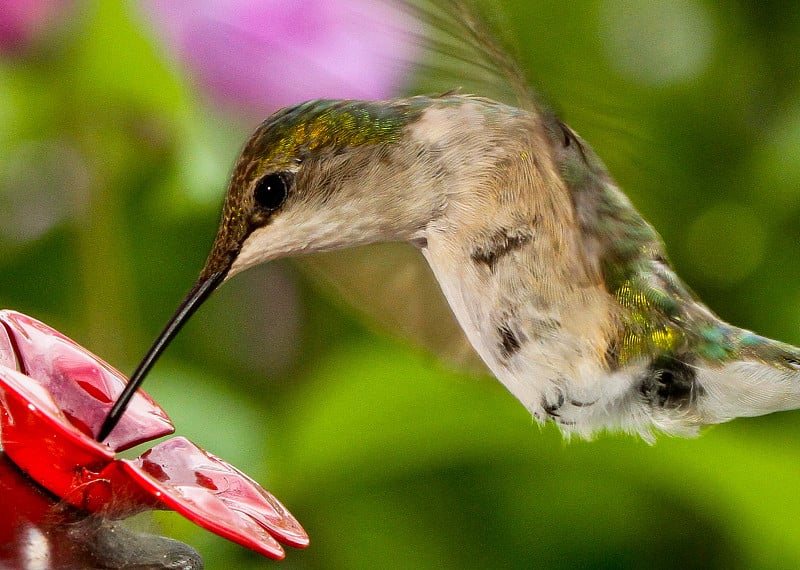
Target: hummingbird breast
(508, 254)
(543, 335)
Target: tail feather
(765, 378)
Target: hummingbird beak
(199, 293)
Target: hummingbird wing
(393, 287)
(465, 49)
(391, 284)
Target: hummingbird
(562, 288)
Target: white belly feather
(547, 355)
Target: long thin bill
(199, 293)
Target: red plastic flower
(54, 396)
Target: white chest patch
(545, 353)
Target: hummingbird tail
(764, 378)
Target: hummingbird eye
(271, 191)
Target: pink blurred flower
(264, 54)
(23, 23)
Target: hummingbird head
(313, 177)
(319, 176)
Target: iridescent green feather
(331, 124)
(651, 299)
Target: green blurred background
(112, 168)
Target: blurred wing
(391, 284)
(393, 287)
(464, 48)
